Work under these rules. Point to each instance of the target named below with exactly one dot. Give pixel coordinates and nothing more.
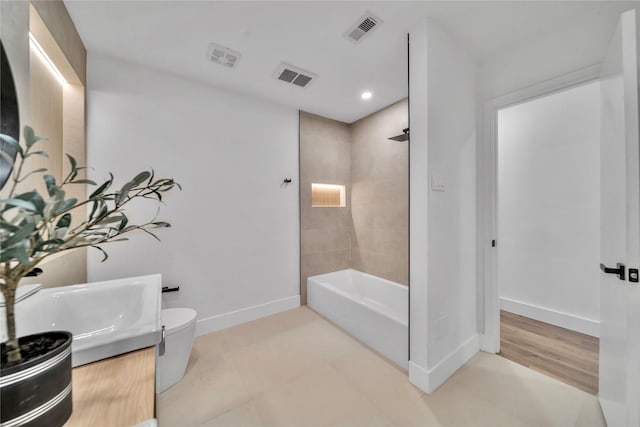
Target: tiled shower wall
(380, 194)
(324, 232)
(370, 234)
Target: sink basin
(105, 318)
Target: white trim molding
(487, 195)
(430, 380)
(553, 317)
(487, 344)
(243, 315)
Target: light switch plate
(437, 182)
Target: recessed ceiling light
(366, 95)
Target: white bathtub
(374, 310)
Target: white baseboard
(418, 376)
(243, 315)
(430, 380)
(553, 317)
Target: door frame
(487, 274)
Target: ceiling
(173, 36)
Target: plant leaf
(161, 224)
(150, 233)
(94, 207)
(64, 221)
(106, 255)
(7, 158)
(72, 160)
(54, 243)
(123, 223)
(52, 188)
(13, 143)
(8, 227)
(19, 236)
(66, 205)
(37, 153)
(141, 177)
(61, 233)
(32, 172)
(102, 187)
(18, 203)
(30, 137)
(124, 191)
(20, 253)
(84, 181)
(17, 253)
(110, 220)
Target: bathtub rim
(334, 288)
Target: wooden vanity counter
(115, 392)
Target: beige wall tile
(324, 232)
(325, 239)
(380, 194)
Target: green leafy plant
(35, 226)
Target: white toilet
(180, 328)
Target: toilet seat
(177, 319)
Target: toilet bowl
(180, 327)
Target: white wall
(549, 208)
(443, 226)
(235, 237)
(577, 43)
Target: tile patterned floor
(296, 369)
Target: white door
(620, 229)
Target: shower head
(403, 137)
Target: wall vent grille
(294, 75)
(363, 27)
(223, 55)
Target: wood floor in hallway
(568, 356)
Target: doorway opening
(547, 227)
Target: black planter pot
(37, 391)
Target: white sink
(105, 318)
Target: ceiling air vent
(364, 26)
(223, 55)
(294, 75)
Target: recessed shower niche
(328, 196)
